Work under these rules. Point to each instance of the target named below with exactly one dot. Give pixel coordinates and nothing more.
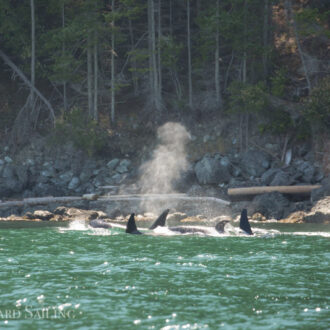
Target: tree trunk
(265, 38)
(113, 85)
(152, 57)
(293, 24)
(65, 100)
(245, 120)
(95, 109)
(217, 59)
(228, 70)
(8, 61)
(154, 60)
(89, 75)
(33, 50)
(244, 43)
(190, 89)
(151, 76)
(171, 18)
(134, 66)
(159, 52)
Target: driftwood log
(306, 189)
(129, 197)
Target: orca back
(244, 223)
(220, 226)
(99, 223)
(131, 226)
(161, 220)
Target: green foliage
(83, 132)
(303, 130)
(132, 9)
(312, 21)
(246, 98)
(278, 82)
(278, 121)
(67, 29)
(140, 58)
(317, 107)
(170, 52)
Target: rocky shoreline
(320, 213)
(39, 170)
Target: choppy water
(79, 278)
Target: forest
(86, 69)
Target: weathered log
(40, 200)
(129, 197)
(306, 189)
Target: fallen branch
(13, 66)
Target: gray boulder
(66, 177)
(113, 164)
(254, 163)
(271, 205)
(74, 183)
(268, 176)
(212, 170)
(87, 172)
(123, 166)
(1, 166)
(306, 170)
(22, 174)
(281, 179)
(321, 192)
(320, 213)
(9, 182)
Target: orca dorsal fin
(244, 223)
(161, 220)
(131, 225)
(220, 226)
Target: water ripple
(88, 280)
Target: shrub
(278, 122)
(84, 132)
(317, 106)
(278, 82)
(246, 98)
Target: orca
(160, 222)
(99, 223)
(220, 228)
(131, 226)
(244, 223)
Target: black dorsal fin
(161, 220)
(244, 223)
(131, 225)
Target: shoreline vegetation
(166, 97)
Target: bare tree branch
(12, 65)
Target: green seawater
(78, 278)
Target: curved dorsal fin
(244, 223)
(161, 220)
(131, 225)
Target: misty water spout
(167, 164)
